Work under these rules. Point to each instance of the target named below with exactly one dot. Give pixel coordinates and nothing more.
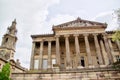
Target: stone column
(49, 55)
(41, 55)
(104, 53)
(111, 49)
(88, 50)
(57, 50)
(98, 49)
(108, 49)
(77, 49)
(118, 44)
(32, 57)
(68, 59)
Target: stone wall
(68, 75)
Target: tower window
(6, 40)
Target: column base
(79, 67)
(69, 67)
(49, 69)
(56, 69)
(91, 66)
(103, 65)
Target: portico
(76, 44)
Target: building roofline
(42, 35)
(79, 20)
(20, 67)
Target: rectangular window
(53, 62)
(62, 65)
(36, 62)
(45, 64)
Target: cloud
(108, 17)
(30, 16)
(59, 19)
(102, 14)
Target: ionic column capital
(104, 35)
(76, 35)
(66, 36)
(57, 36)
(95, 34)
(49, 41)
(42, 40)
(85, 35)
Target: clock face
(7, 55)
(2, 52)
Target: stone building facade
(7, 49)
(74, 45)
(77, 50)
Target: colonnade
(99, 53)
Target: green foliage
(116, 36)
(5, 73)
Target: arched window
(6, 40)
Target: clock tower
(7, 48)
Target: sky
(38, 17)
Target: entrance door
(82, 62)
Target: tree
(5, 73)
(116, 36)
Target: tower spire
(12, 29)
(7, 48)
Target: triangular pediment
(80, 23)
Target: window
(37, 44)
(62, 65)
(45, 64)
(82, 62)
(6, 40)
(36, 62)
(53, 61)
(117, 58)
(62, 53)
(98, 62)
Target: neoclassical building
(75, 44)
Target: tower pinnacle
(7, 48)
(12, 29)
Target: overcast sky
(38, 16)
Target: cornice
(75, 28)
(42, 35)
